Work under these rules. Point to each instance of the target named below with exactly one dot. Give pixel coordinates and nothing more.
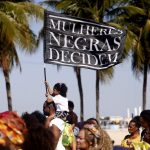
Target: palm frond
(32, 10)
(146, 32)
(14, 11)
(133, 10)
(138, 61)
(8, 27)
(27, 40)
(106, 74)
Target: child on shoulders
(58, 96)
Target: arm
(49, 89)
(51, 109)
(73, 144)
(57, 133)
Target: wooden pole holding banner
(45, 77)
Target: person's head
(41, 118)
(88, 137)
(60, 88)
(80, 124)
(145, 119)
(49, 108)
(33, 119)
(38, 137)
(134, 125)
(30, 120)
(70, 105)
(72, 118)
(104, 141)
(92, 121)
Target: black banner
(78, 42)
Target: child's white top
(61, 103)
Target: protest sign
(78, 42)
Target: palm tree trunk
(97, 95)
(8, 89)
(145, 84)
(78, 75)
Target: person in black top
(145, 123)
(72, 118)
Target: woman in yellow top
(134, 133)
(145, 143)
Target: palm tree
(8, 57)
(135, 16)
(78, 76)
(96, 9)
(14, 31)
(141, 55)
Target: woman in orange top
(134, 133)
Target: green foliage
(14, 20)
(15, 31)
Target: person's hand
(49, 100)
(50, 117)
(46, 84)
(129, 143)
(48, 120)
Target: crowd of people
(57, 128)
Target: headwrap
(12, 127)
(93, 130)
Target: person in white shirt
(56, 125)
(58, 95)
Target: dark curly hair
(145, 114)
(62, 88)
(136, 120)
(38, 137)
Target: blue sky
(28, 90)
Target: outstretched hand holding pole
(49, 90)
(47, 87)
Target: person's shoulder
(72, 113)
(57, 120)
(126, 137)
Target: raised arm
(49, 89)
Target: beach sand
(117, 134)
